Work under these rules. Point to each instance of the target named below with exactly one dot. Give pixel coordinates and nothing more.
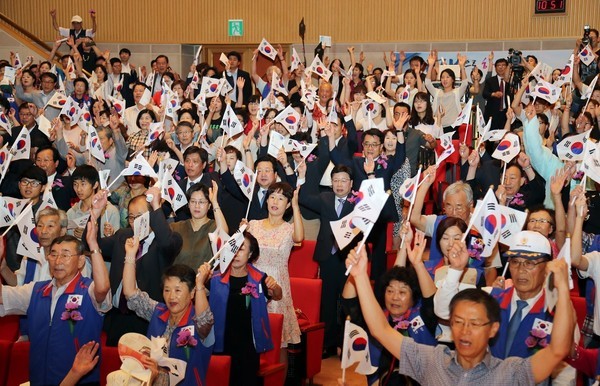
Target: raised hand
(132, 246)
(458, 256)
(358, 262)
(416, 255)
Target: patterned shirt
(439, 366)
(138, 139)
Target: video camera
(586, 35)
(515, 58)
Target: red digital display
(550, 6)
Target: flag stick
(115, 180)
(250, 200)
(503, 173)
(505, 269)
(344, 347)
(582, 185)
(300, 164)
(471, 222)
(360, 247)
(17, 220)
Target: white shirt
(193, 182)
(16, 299)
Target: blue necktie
(513, 325)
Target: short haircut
(475, 295)
(341, 169)
(236, 54)
(375, 133)
(181, 271)
(403, 104)
(142, 198)
(55, 153)
(193, 113)
(446, 223)
(69, 239)
(266, 158)
(185, 124)
(145, 111)
(49, 211)
(197, 188)
(233, 150)
(114, 61)
(86, 173)
(501, 61)
(82, 80)
(459, 186)
(254, 249)
(35, 173)
(283, 188)
(163, 57)
(406, 275)
(49, 75)
(24, 106)
(196, 150)
(125, 51)
(535, 59)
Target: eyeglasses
(471, 324)
(198, 202)
(528, 265)
(539, 220)
(63, 255)
(449, 209)
(366, 144)
(132, 217)
(32, 183)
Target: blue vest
(420, 335)
(55, 342)
(197, 357)
(519, 348)
(219, 294)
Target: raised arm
(298, 235)
(129, 282)
(415, 256)
(544, 361)
(201, 301)
(374, 317)
(557, 183)
(253, 73)
(99, 270)
(54, 22)
(577, 260)
(219, 218)
(93, 16)
(416, 219)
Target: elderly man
(522, 307)
(457, 202)
(156, 252)
(63, 313)
(475, 318)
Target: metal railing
(40, 45)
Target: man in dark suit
(234, 73)
(157, 252)
(195, 160)
(331, 206)
(61, 187)
(266, 174)
(27, 117)
(374, 164)
(495, 91)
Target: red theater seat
(271, 370)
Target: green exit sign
(235, 28)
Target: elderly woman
(184, 320)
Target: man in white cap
(76, 29)
(525, 324)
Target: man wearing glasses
(475, 319)
(525, 324)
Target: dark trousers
(332, 274)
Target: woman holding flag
(406, 296)
(238, 298)
(196, 248)
(276, 238)
(185, 319)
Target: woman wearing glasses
(196, 247)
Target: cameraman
(496, 89)
(590, 36)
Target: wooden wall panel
(205, 22)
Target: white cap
(530, 245)
(76, 19)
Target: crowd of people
(445, 312)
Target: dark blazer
(239, 200)
(62, 191)
(346, 146)
(493, 107)
(38, 139)
(325, 204)
(247, 92)
(149, 269)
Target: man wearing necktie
(232, 75)
(331, 206)
(496, 90)
(525, 324)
